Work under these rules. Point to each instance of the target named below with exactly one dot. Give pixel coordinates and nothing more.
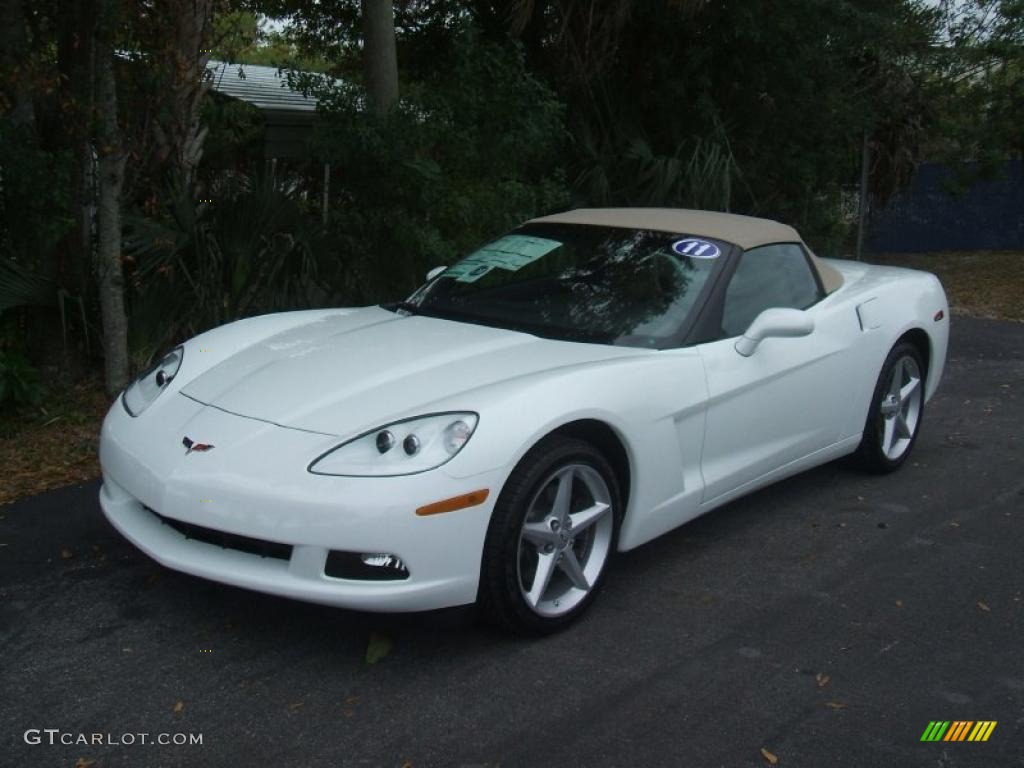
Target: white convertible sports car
(578, 386)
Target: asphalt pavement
(826, 620)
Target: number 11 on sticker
(696, 249)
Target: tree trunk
(380, 57)
(108, 208)
(185, 48)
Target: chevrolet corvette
(575, 388)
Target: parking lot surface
(824, 621)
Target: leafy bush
(253, 249)
(35, 191)
(20, 385)
(470, 152)
(619, 169)
(20, 287)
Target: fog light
(382, 560)
(365, 566)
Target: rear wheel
(897, 409)
(553, 531)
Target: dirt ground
(986, 284)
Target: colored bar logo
(958, 730)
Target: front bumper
(254, 484)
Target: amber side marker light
(470, 499)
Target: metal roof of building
(264, 87)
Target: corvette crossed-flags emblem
(191, 446)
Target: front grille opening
(365, 566)
(224, 540)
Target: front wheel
(897, 409)
(553, 531)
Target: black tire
(500, 597)
(870, 454)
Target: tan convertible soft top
(745, 231)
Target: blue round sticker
(696, 249)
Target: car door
(785, 401)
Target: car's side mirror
(776, 322)
(435, 272)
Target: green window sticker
(511, 252)
(468, 271)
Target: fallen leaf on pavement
(835, 705)
(179, 706)
(772, 759)
(984, 607)
(378, 647)
(297, 705)
(84, 762)
(66, 554)
(899, 603)
(822, 679)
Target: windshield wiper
(403, 306)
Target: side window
(769, 276)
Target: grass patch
(54, 445)
(978, 283)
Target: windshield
(577, 282)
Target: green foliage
(626, 170)
(253, 249)
(35, 191)
(234, 143)
(20, 385)
(978, 88)
(20, 287)
(234, 32)
(736, 105)
(324, 30)
(239, 37)
(470, 152)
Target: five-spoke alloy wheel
(896, 411)
(552, 534)
(565, 539)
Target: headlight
(400, 448)
(145, 389)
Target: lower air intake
(224, 540)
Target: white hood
(341, 374)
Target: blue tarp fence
(926, 216)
